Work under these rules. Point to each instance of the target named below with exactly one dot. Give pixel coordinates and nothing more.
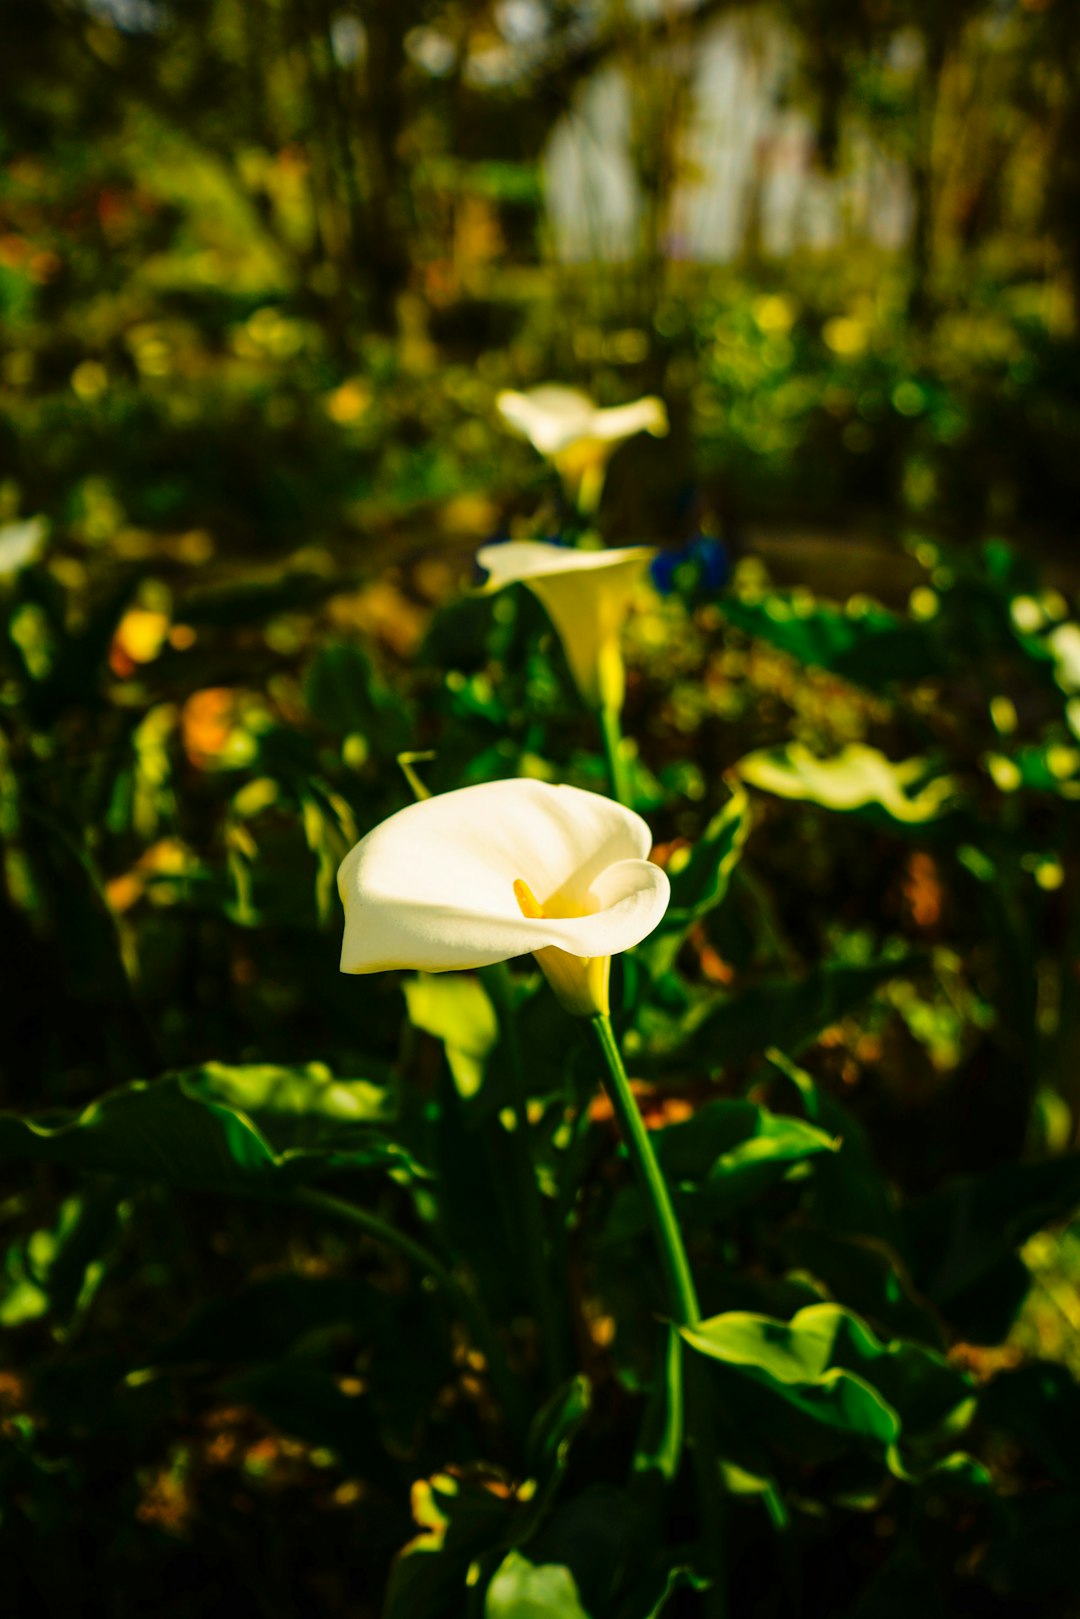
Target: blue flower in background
(701, 567)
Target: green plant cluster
(269, 1337)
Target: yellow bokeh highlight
(348, 403)
(846, 335)
(89, 380)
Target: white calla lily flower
(477, 876)
(587, 595)
(573, 432)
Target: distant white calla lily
(571, 430)
(21, 544)
(587, 595)
(480, 875)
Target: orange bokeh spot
(207, 721)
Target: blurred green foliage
(259, 289)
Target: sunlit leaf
(180, 1130)
(856, 778)
(457, 1010)
(830, 1367)
(524, 1590)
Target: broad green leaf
(300, 1106)
(524, 1590)
(783, 1012)
(829, 1366)
(722, 1158)
(732, 1139)
(595, 1534)
(465, 1523)
(865, 1274)
(848, 1194)
(699, 881)
(870, 645)
(462, 1522)
(964, 1240)
(856, 778)
(183, 1130)
(457, 1010)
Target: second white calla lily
(587, 595)
(480, 875)
(573, 432)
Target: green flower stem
(611, 731)
(682, 1295)
(507, 1390)
(497, 981)
(682, 1302)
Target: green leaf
(461, 1523)
(726, 1155)
(858, 778)
(466, 1524)
(555, 1427)
(871, 646)
(828, 1365)
(700, 882)
(865, 1274)
(848, 1194)
(524, 1590)
(599, 1536)
(733, 1140)
(185, 1130)
(651, 1596)
(457, 1010)
(964, 1239)
(346, 696)
(783, 1012)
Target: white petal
(519, 561)
(21, 543)
(554, 418)
(433, 887)
(586, 594)
(648, 415)
(550, 417)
